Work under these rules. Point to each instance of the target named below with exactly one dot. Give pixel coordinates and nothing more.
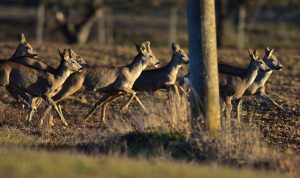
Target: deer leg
(105, 104)
(45, 113)
(176, 90)
(51, 117)
(133, 95)
(239, 111)
(183, 91)
(228, 107)
(34, 104)
(125, 107)
(51, 120)
(62, 119)
(270, 101)
(97, 105)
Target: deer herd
(30, 81)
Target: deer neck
(61, 76)
(135, 68)
(249, 76)
(262, 77)
(173, 68)
(15, 56)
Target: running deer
(257, 88)
(233, 87)
(165, 77)
(26, 55)
(38, 83)
(126, 77)
(116, 82)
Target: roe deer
(126, 76)
(233, 87)
(35, 102)
(165, 77)
(257, 88)
(107, 79)
(26, 55)
(38, 83)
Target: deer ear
(65, 55)
(250, 51)
(137, 46)
(60, 53)
(173, 47)
(72, 53)
(143, 48)
(21, 38)
(148, 45)
(270, 53)
(267, 49)
(255, 53)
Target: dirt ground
(278, 129)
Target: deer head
(179, 55)
(147, 55)
(256, 62)
(68, 60)
(24, 48)
(271, 61)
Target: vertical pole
(173, 25)
(210, 66)
(203, 64)
(40, 21)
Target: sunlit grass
(24, 163)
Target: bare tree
(203, 64)
(74, 31)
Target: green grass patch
(25, 163)
(15, 137)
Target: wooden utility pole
(203, 62)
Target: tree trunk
(85, 29)
(40, 21)
(221, 17)
(101, 29)
(173, 24)
(241, 25)
(196, 65)
(110, 26)
(203, 67)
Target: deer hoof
(65, 123)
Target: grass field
(25, 163)
(136, 144)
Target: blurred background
(240, 23)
